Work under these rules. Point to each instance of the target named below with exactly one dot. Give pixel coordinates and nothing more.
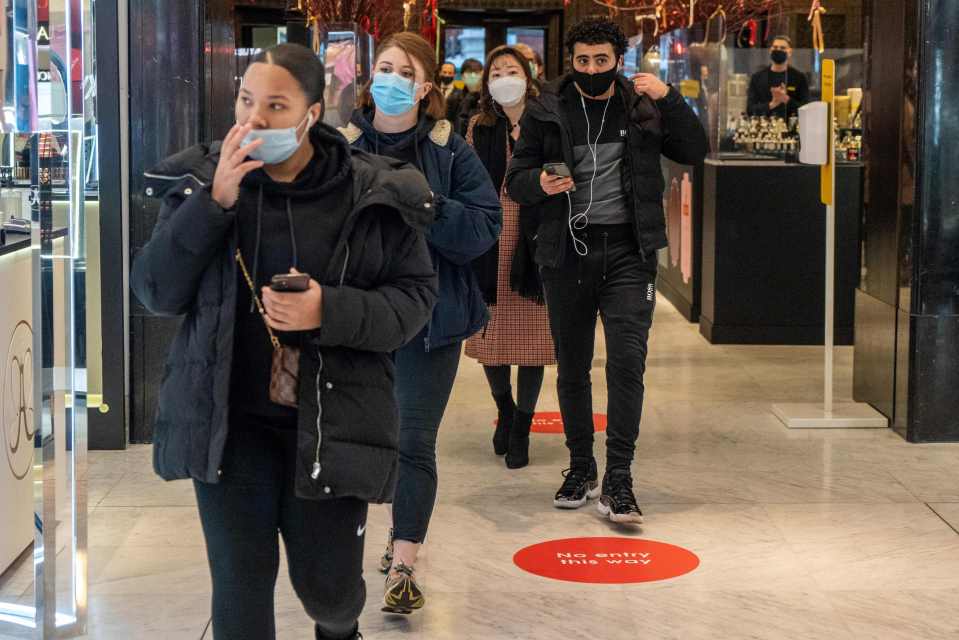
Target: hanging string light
(815, 18)
(665, 15)
(373, 16)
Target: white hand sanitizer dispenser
(814, 133)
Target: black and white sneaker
(618, 503)
(579, 486)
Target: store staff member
(780, 89)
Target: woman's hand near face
(299, 311)
(233, 166)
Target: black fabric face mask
(446, 80)
(595, 84)
(779, 57)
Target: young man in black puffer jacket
(597, 234)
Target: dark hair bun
(302, 63)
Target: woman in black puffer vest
(285, 194)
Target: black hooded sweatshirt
(316, 204)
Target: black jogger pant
(614, 281)
(242, 516)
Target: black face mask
(595, 84)
(446, 80)
(779, 57)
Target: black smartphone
(560, 169)
(290, 282)
(557, 169)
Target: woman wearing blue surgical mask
(284, 195)
(401, 116)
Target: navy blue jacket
(467, 224)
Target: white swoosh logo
(360, 531)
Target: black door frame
(497, 22)
(107, 425)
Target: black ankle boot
(517, 456)
(504, 423)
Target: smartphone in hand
(290, 282)
(560, 169)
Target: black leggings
(528, 384)
(241, 517)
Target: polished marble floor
(810, 534)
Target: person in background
(465, 105)
(596, 246)
(533, 59)
(447, 79)
(283, 194)
(779, 89)
(517, 333)
(540, 73)
(401, 116)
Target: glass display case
(714, 78)
(50, 370)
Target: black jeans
(241, 517)
(614, 281)
(424, 381)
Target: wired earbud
(579, 221)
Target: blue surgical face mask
(278, 144)
(393, 94)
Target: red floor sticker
(606, 560)
(552, 422)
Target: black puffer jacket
(665, 127)
(378, 292)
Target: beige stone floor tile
(736, 615)
(948, 511)
(152, 527)
(170, 615)
(860, 547)
(899, 614)
(930, 480)
(138, 570)
(150, 491)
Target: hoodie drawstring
(256, 246)
(289, 218)
(259, 239)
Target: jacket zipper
(317, 467)
(551, 117)
(429, 325)
(449, 184)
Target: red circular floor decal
(552, 422)
(606, 560)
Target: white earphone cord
(579, 221)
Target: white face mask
(508, 91)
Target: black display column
(933, 411)
(907, 324)
(166, 115)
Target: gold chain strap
(256, 299)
